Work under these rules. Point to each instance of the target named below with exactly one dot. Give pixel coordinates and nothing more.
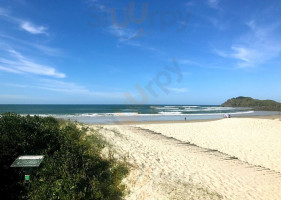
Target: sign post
(28, 162)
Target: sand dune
(167, 168)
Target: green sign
(27, 177)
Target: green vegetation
(72, 167)
(265, 105)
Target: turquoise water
(117, 113)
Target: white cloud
(123, 34)
(259, 45)
(23, 24)
(33, 29)
(245, 54)
(177, 90)
(20, 64)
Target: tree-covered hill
(264, 105)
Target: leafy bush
(72, 167)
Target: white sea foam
(166, 108)
(217, 108)
(190, 106)
(163, 113)
(89, 115)
(235, 113)
(170, 113)
(107, 114)
(192, 110)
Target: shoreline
(187, 121)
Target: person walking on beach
(185, 119)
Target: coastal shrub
(72, 167)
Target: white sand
(165, 168)
(256, 141)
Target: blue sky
(159, 52)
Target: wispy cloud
(129, 37)
(187, 61)
(7, 69)
(61, 86)
(23, 24)
(213, 3)
(177, 90)
(54, 85)
(17, 63)
(16, 42)
(33, 29)
(97, 6)
(193, 63)
(259, 45)
(124, 34)
(67, 88)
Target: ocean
(110, 114)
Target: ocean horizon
(117, 113)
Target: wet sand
(188, 121)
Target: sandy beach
(236, 158)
